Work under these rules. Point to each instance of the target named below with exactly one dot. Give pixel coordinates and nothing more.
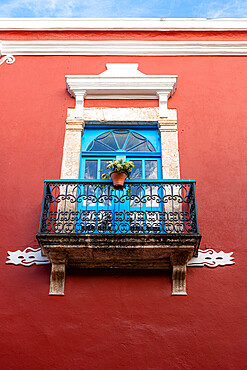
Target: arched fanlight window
(120, 140)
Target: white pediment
(121, 70)
(121, 81)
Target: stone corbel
(179, 261)
(57, 279)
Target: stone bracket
(57, 278)
(179, 261)
(119, 251)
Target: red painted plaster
(121, 103)
(125, 35)
(123, 320)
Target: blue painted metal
(109, 182)
(90, 134)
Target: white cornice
(121, 80)
(123, 24)
(161, 48)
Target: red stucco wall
(120, 320)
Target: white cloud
(37, 8)
(123, 8)
(86, 8)
(222, 9)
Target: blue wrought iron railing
(142, 207)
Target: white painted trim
(121, 79)
(147, 85)
(146, 48)
(125, 97)
(123, 24)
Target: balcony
(150, 224)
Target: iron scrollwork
(92, 206)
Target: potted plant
(120, 170)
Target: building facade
(170, 96)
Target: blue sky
(123, 8)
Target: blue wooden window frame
(150, 133)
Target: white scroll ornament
(210, 258)
(207, 257)
(27, 257)
(9, 59)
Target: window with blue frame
(105, 209)
(140, 145)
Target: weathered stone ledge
(130, 251)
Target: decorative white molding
(211, 258)
(28, 257)
(123, 24)
(79, 105)
(125, 97)
(9, 59)
(207, 257)
(122, 70)
(121, 79)
(163, 111)
(142, 48)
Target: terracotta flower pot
(118, 179)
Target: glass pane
(105, 192)
(137, 170)
(90, 146)
(151, 169)
(90, 169)
(98, 147)
(140, 148)
(103, 164)
(132, 141)
(121, 136)
(103, 135)
(150, 146)
(90, 173)
(109, 140)
(136, 192)
(138, 136)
